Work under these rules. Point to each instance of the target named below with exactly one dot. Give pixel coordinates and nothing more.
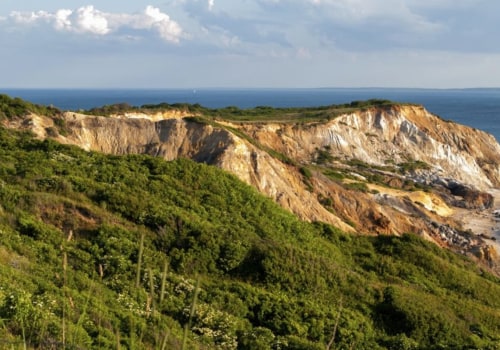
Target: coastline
(477, 108)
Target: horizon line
(252, 88)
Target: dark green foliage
(306, 172)
(266, 279)
(374, 102)
(111, 109)
(16, 107)
(323, 156)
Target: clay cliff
(382, 170)
(392, 135)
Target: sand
(483, 223)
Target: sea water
(478, 108)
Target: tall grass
(139, 262)
(192, 310)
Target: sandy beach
(483, 223)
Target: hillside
(101, 251)
(372, 167)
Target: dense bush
(85, 239)
(16, 107)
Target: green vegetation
(337, 174)
(16, 107)
(307, 175)
(357, 186)
(133, 252)
(306, 172)
(363, 166)
(103, 252)
(412, 165)
(257, 114)
(323, 156)
(107, 110)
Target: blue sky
(250, 43)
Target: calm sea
(479, 108)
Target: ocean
(478, 108)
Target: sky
(249, 43)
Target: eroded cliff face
(174, 138)
(392, 135)
(383, 138)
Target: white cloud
(211, 4)
(30, 17)
(88, 19)
(154, 18)
(91, 20)
(62, 21)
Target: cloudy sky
(250, 43)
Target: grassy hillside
(108, 252)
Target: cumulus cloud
(168, 29)
(88, 19)
(62, 21)
(350, 25)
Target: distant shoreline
(475, 107)
(5, 88)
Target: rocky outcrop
(470, 197)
